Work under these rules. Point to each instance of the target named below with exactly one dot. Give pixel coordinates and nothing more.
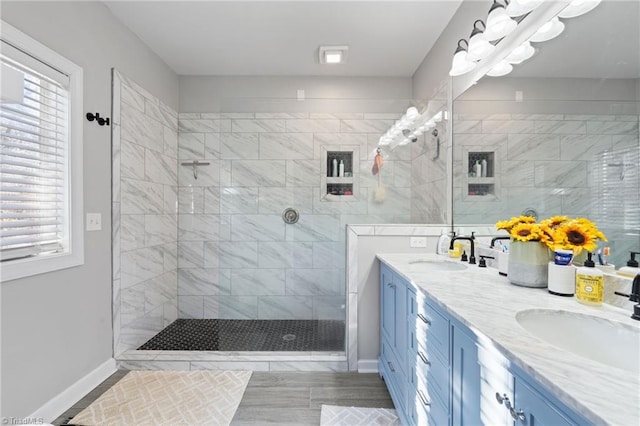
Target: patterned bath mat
(168, 398)
(332, 415)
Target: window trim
(74, 256)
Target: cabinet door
(466, 407)
(532, 409)
(387, 303)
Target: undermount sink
(607, 342)
(435, 265)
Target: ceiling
(281, 38)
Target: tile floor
(287, 398)
(249, 335)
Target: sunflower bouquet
(557, 232)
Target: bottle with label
(589, 283)
(477, 169)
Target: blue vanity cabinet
(393, 342)
(428, 362)
(441, 373)
(465, 379)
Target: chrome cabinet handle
(390, 285)
(424, 358)
(424, 319)
(391, 367)
(424, 399)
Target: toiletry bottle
(483, 165)
(334, 167)
(589, 283)
(632, 269)
(477, 168)
(341, 169)
(444, 241)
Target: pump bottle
(589, 283)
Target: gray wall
(56, 327)
(433, 72)
(277, 94)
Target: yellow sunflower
(549, 236)
(525, 232)
(554, 221)
(578, 236)
(508, 225)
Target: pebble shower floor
(249, 335)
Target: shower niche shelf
(336, 186)
(480, 179)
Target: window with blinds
(33, 158)
(40, 158)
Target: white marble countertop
(487, 303)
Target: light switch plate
(418, 242)
(94, 221)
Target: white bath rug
(332, 415)
(168, 398)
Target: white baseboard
(367, 366)
(65, 399)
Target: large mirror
(559, 135)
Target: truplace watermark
(22, 421)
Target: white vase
(528, 263)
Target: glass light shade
(521, 53)
(412, 113)
(522, 7)
(578, 7)
(461, 64)
(499, 24)
(479, 48)
(548, 31)
(500, 69)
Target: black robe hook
(101, 121)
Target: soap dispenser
(632, 269)
(589, 283)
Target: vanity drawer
(428, 328)
(432, 373)
(426, 411)
(394, 375)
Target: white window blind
(34, 216)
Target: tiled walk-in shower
(213, 246)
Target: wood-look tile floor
(288, 398)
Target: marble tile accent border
(352, 273)
(253, 361)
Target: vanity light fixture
(479, 46)
(333, 54)
(548, 31)
(521, 53)
(461, 62)
(500, 69)
(499, 24)
(578, 7)
(521, 7)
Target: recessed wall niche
(480, 173)
(339, 179)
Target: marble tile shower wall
(237, 258)
(547, 162)
(144, 195)
(429, 177)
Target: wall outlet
(418, 242)
(94, 221)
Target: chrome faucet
(471, 239)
